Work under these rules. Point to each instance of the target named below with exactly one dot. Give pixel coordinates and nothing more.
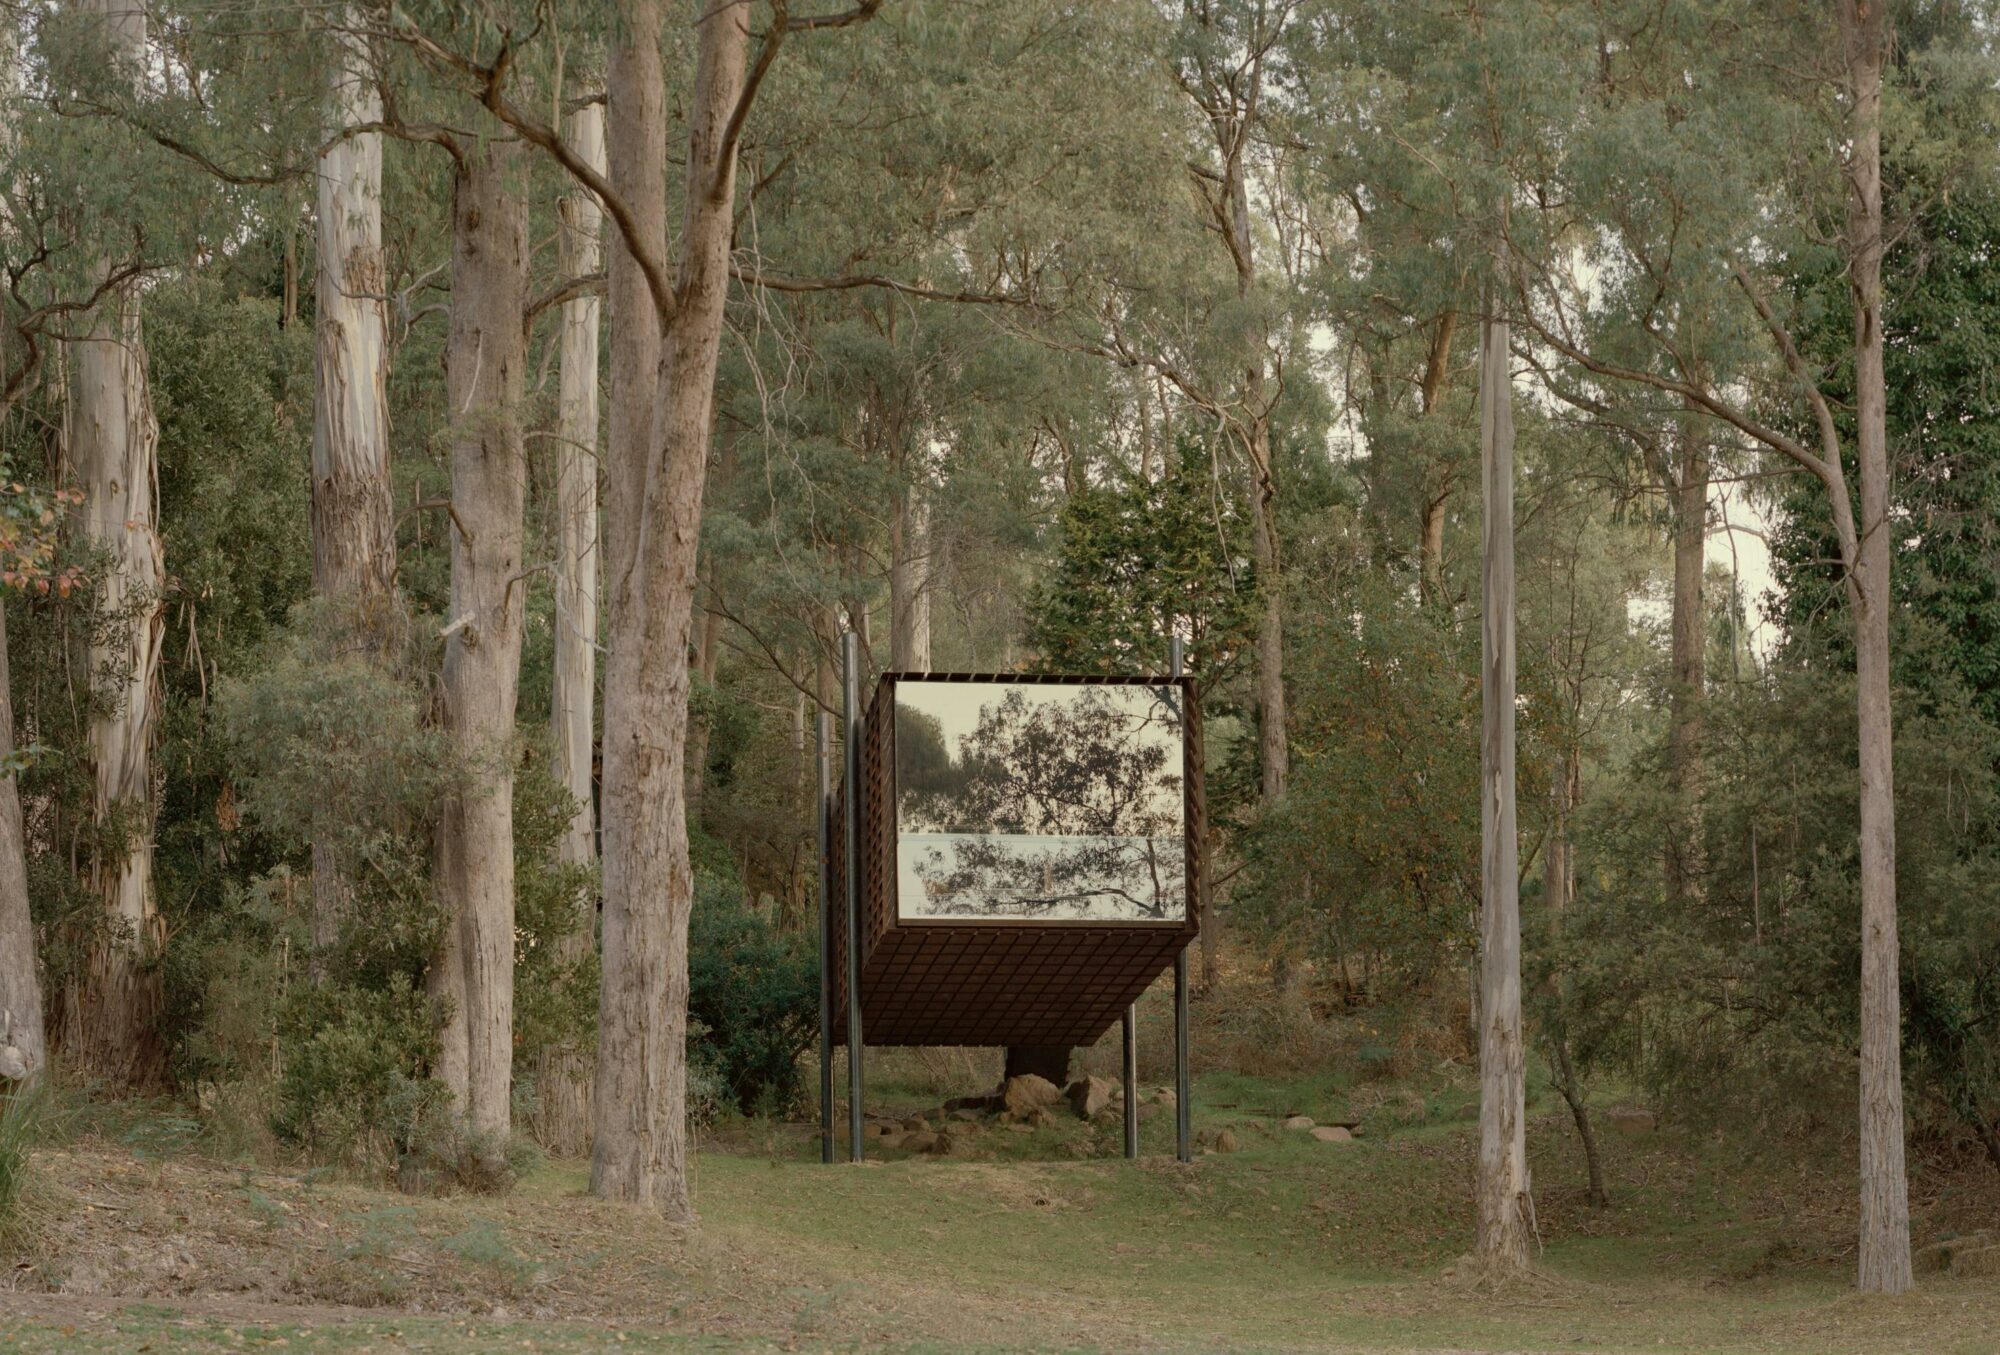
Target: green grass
(1050, 1240)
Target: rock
(1332, 1133)
(916, 1124)
(1030, 1092)
(881, 1129)
(1015, 1126)
(1041, 1119)
(1299, 1122)
(1147, 1112)
(896, 1140)
(966, 1114)
(923, 1141)
(13, 1064)
(1165, 1097)
(1225, 1141)
(943, 1145)
(1090, 1095)
(1631, 1119)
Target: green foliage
(1140, 561)
(755, 992)
(1375, 848)
(555, 985)
(25, 1121)
(354, 1086)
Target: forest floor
(1044, 1241)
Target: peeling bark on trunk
(111, 1024)
(641, 1092)
(353, 527)
(20, 986)
(562, 1077)
(1885, 1206)
(1505, 1206)
(628, 1159)
(485, 363)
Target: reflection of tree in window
(1068, 806)
(1079, 766)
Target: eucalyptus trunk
(353, 528)
(1559, 877)
(1437, 501)
(910, 580)
(641, 1093)
(1885, 1206)
(1687, 656)
(562, 1077)
(1273, 749)
(20, 986)
(21, 1019)
(485, 361)
(111, 1023)
(1504, 1202)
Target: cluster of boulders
(1024, 1104)
(1021, 1104)
(1345, 1132)
(1225, 1140)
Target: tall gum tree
(562, 1082)
(485, 371)
(1225, 73)
(1843, 84)
(21, 1019)
(353, 530)
(1505, 1206)
(111, 1024)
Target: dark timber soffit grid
(1007, 982)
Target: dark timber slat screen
(999, 982)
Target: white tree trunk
(353, 527)
(562, 1081)
(1504, 1202)
(485, 363)
(1885, 1202)
(910, 578)
(21, 1021)
(641, 1091)
(114, 444)
(20, 986)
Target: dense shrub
(754, 990)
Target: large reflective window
(1039, 802)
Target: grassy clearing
(1029, 1241)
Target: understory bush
(753, 998)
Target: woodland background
(409, 765)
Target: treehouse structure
(1028, 853)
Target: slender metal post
(1130, 1023)
(1183, 1110)
(850, 700)
(823, 807)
